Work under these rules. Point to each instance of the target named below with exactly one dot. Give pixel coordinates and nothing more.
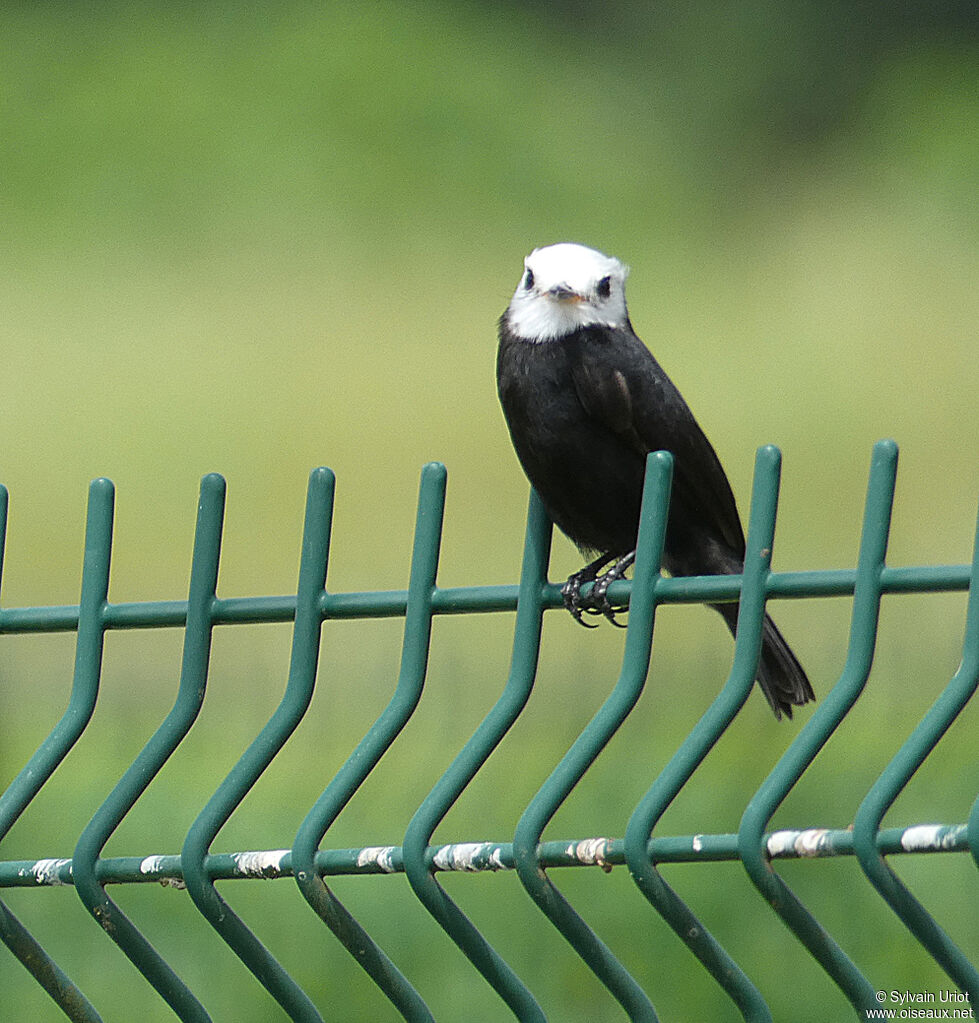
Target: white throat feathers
(565, 287)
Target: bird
(585, 401)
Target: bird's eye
(528, 281)
(604, 288)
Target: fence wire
(641, 849)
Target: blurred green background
(260, 238)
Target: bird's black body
(584, 410)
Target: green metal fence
(641, 848)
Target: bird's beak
(562, 293)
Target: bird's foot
(573, 600)
(599, 592)
(596, 601)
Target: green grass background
(259, 239)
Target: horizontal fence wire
(759, 848)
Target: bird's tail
(780, 675)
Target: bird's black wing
(621, 385)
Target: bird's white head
(565, 287)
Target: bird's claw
(573, 600)
(596, 602)
(599, 595)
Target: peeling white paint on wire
(266, 863)
(805, 844)
(930, 837)
(49, 871)
(470, 857)
(380, 856)
(155, 865)
(591, 851)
